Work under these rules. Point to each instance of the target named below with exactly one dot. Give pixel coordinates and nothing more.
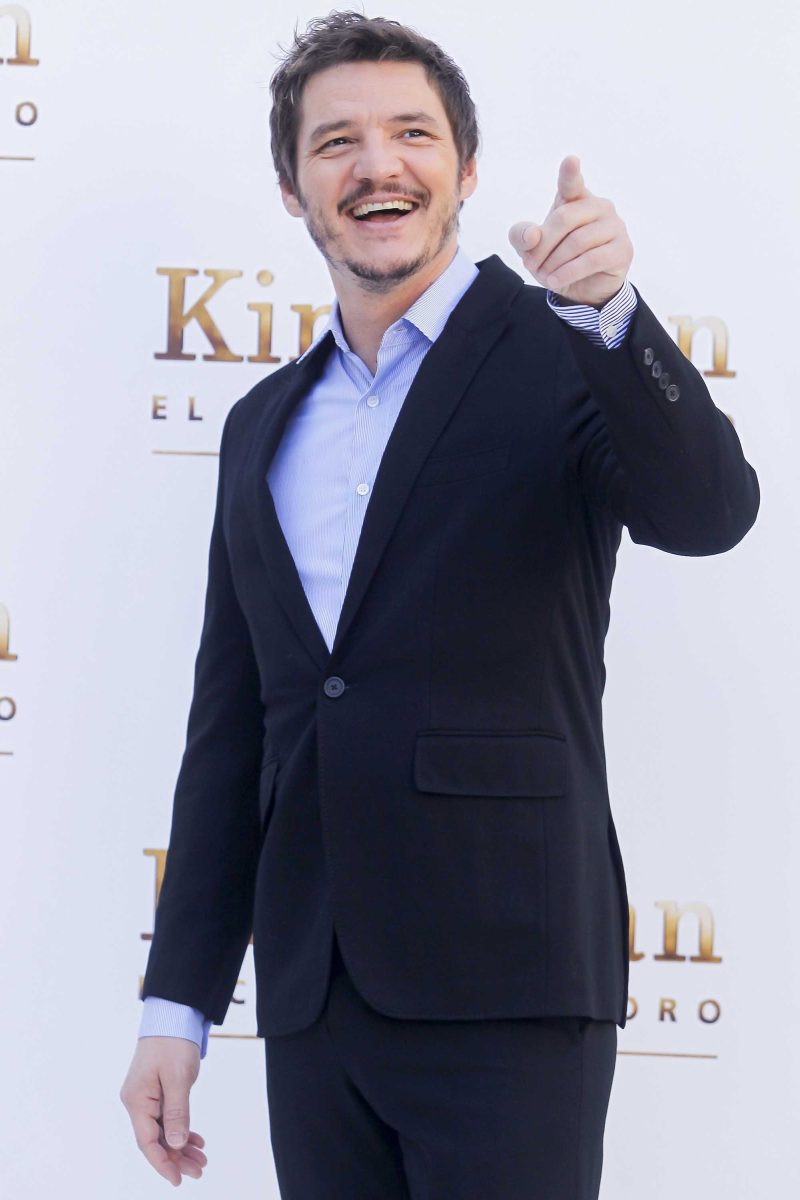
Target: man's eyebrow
(400, 119)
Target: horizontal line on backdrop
(247, 1037)
(7, 752)
(663, 1054)
(16, 158)
(204, 453)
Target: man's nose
(378, 158)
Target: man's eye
(342, 138)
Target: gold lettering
(635, 955)
(192, 415)
(673, 913)
(308, 318)
(716, 1011)
(5, 634)
(22, 21)
(159, 408)
(264, 353)
(178, 319)
(688, 327)
(160, 858)
(666, 1008)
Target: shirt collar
(429, 312)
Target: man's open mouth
(382, 212)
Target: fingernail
(175, 1139)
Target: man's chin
(377, 276)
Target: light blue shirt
(323, 472)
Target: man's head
(366, 110)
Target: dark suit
(435, 788)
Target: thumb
(524, 236)
(175, 1111)
(570, 180)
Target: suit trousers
(364, 1106)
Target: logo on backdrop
(193, 308)
(15, 34)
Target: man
(394, 771)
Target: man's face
(377, 132)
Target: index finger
(571, 184)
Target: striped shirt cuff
(604, 326)
(167, 1018)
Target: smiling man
(394, 771)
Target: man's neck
(365, 315)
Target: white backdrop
(138, 142)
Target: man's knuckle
(175, 1112)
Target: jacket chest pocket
(464, 466)
(473, 763)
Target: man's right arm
(203, 919)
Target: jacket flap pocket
(266, 790)
(463, 763)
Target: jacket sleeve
(203, 920)
(650, 446)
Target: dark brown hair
(344, 37)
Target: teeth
(363, 209)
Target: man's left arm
(645, 437)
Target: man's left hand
(582, 249)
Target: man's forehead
(348, 93)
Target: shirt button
(333, 687)
(362, 489)
(373, 401)
(611, 330)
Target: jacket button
(656, 369)
(673, 391)
(333, 687)
(648, 357)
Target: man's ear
(290, 201)
(469, 177)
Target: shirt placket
(367, 446)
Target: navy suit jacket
(434, 788)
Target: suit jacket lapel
(281, 568)
(447, 369)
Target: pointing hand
(582, 249)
